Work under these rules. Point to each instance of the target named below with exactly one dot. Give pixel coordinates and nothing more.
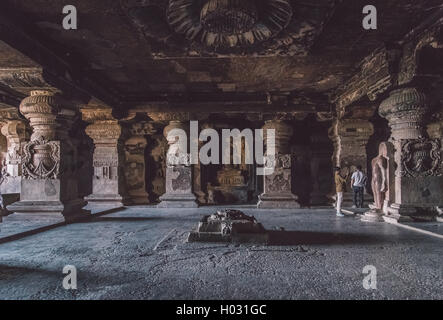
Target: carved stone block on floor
(229, 226)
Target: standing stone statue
(379, 185)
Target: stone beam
(227, 103)
(52, 72)
(400, 64)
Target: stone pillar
(278, 185)
(179, 181)
(108, 182)
(15, 133)
(135, 166)
(199, 174)
(418, 158)
(321, 167)
(350, 138)
(49, 177)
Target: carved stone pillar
(350, 138)
(179, 181)
(108, 182)
(418, 176)
(49, 177)
(278, 185)
(135, 167)
(15, 133)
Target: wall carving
(41, 159)
(183, 180)
(421, 158)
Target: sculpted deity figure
(379, 177)
(380, 185)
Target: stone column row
(417, 188)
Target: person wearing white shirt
(358, 181)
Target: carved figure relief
(278, 161)
(278, 183)
(421, 158)
(183, 181)
(4, 173)
(135, 178)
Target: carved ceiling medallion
(225, 24)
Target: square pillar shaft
(108, 185)
(179, 175)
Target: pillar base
(278, 201)
(399, 213)
(70, 211)
(178, 201)
(409, 213)
(373, 215)
(107, 200)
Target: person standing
(340, 184)
(358, 181)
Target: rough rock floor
(142, 253)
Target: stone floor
(141, 253)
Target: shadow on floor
(32, 232)
(123, 219)
(294, 238)
(37, 230)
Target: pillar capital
(352, 130)
(50, 115)
(406, 110)
(14, 131)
